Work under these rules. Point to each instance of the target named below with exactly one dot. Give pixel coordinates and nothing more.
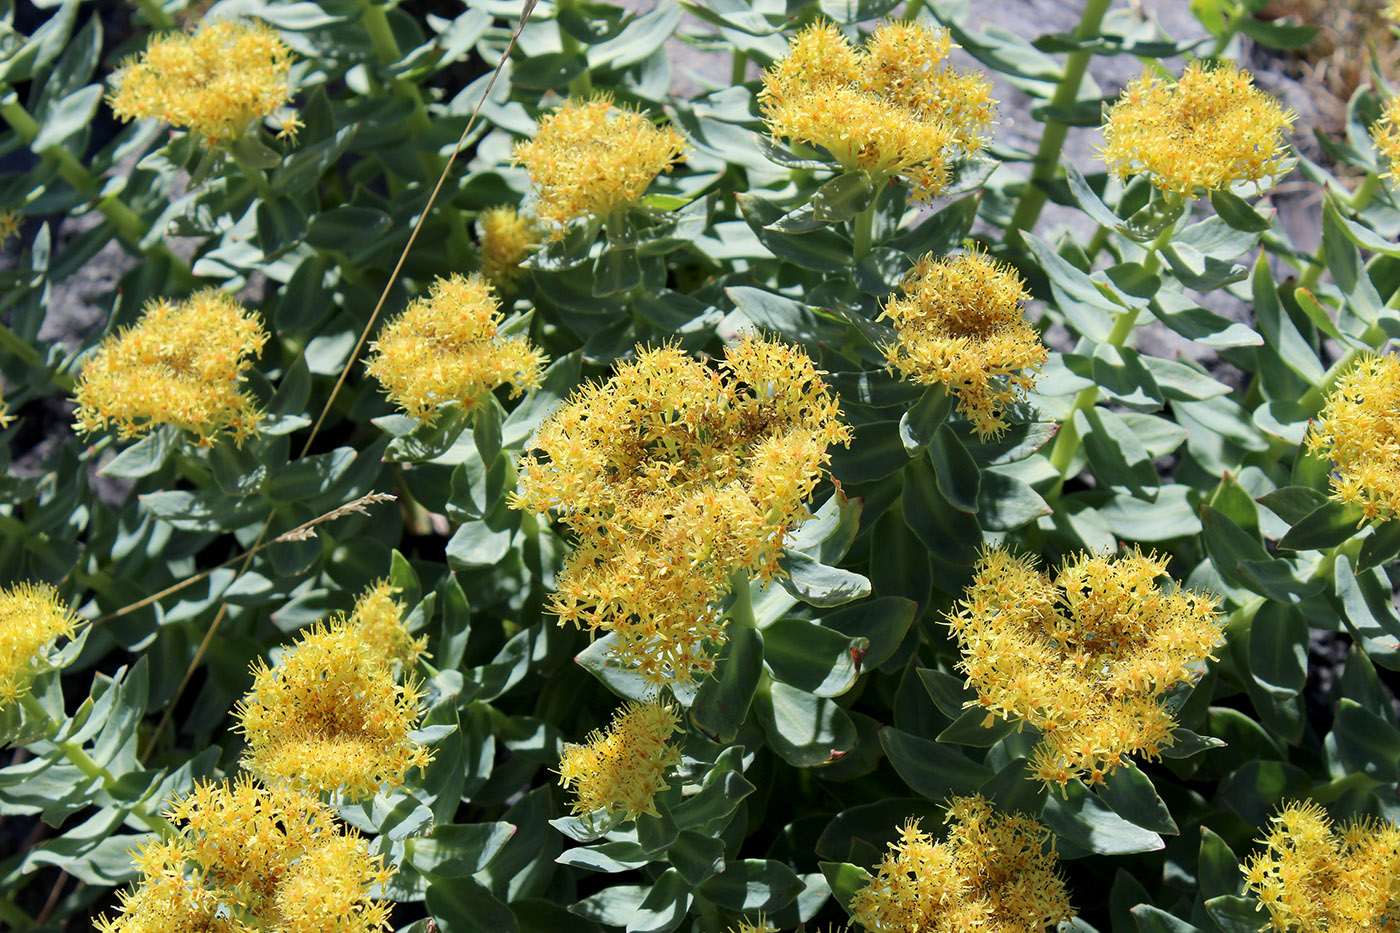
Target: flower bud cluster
(1087, 658)
(506, 240)
(215, 81)
(248, 858)
(1317, 878)
(1200, 133)
(960, 324)
(180, 365)
(995, 872)
(445, 347)
(673, 476)
(1359, 431)
(620, 770)
(894, 107)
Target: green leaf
(697, 857)
(950, 533)
(943, 232)
(144, 457)
(957, 474)
(1278, 649)
(1235, 914)
(1293, 503)
(1236, 212)
(1006, 503)
(932, 769)
(1324, 527)
(1086, 822)
(1131, 795)
(843, 197)
(304, 167)
(1116, 454)
(969, 729)
(466, 906)
(73, 113)
(347, 227)
(820, 250)
(616, 270)
(818, 584)
(845, 880)
(664, 906)
(1277, 33)
(750, 885)
(723, 788)
(882, 623)
(1379, 547)
(1087, 199)
(1366, 742)
(722, 703)
(804, 730)
(876, 451)
(459, 851)
(1151, 919)
(805, 655)
(1217, 868)
(921, 422)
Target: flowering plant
(908, 472)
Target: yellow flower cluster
(1314, 878)
(673, 476)
(621, 770)
(445, 348)
(506, 239)
(179, 365)
(32, 618)
(5, 417)
(1392, 11)
(1359, 430)
(591, 158)
(10, 220)
(1204, 132)
(377, 620)
(249, 858)
(995, 874)
(960, 323)
(1086, 658)
(331, 717)
(894, 107)
(215, 81)
(1385, 133)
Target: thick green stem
(91, 769)
(864, 225)
(740, 68)
(741, 610)
(1067, 440)
(386, 48)
(1047, 157)
(124, 220)
(582, 84)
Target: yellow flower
(10, 220)
(960, 323)
(895, 107)
(179, 365)
(506, 239)
(1392, 11)
(591, 158)
(995, 873)
(754, 926)
(1204, 132)
(1314, 878)
(5, 417)
(377, 620)
(215, 81)
(621, 770)
(1385, 133)
(250, 858)
(1359, 431)
(330, 717)
(674, 476)
(32, 618)
(1086, 658)
(445, 348)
